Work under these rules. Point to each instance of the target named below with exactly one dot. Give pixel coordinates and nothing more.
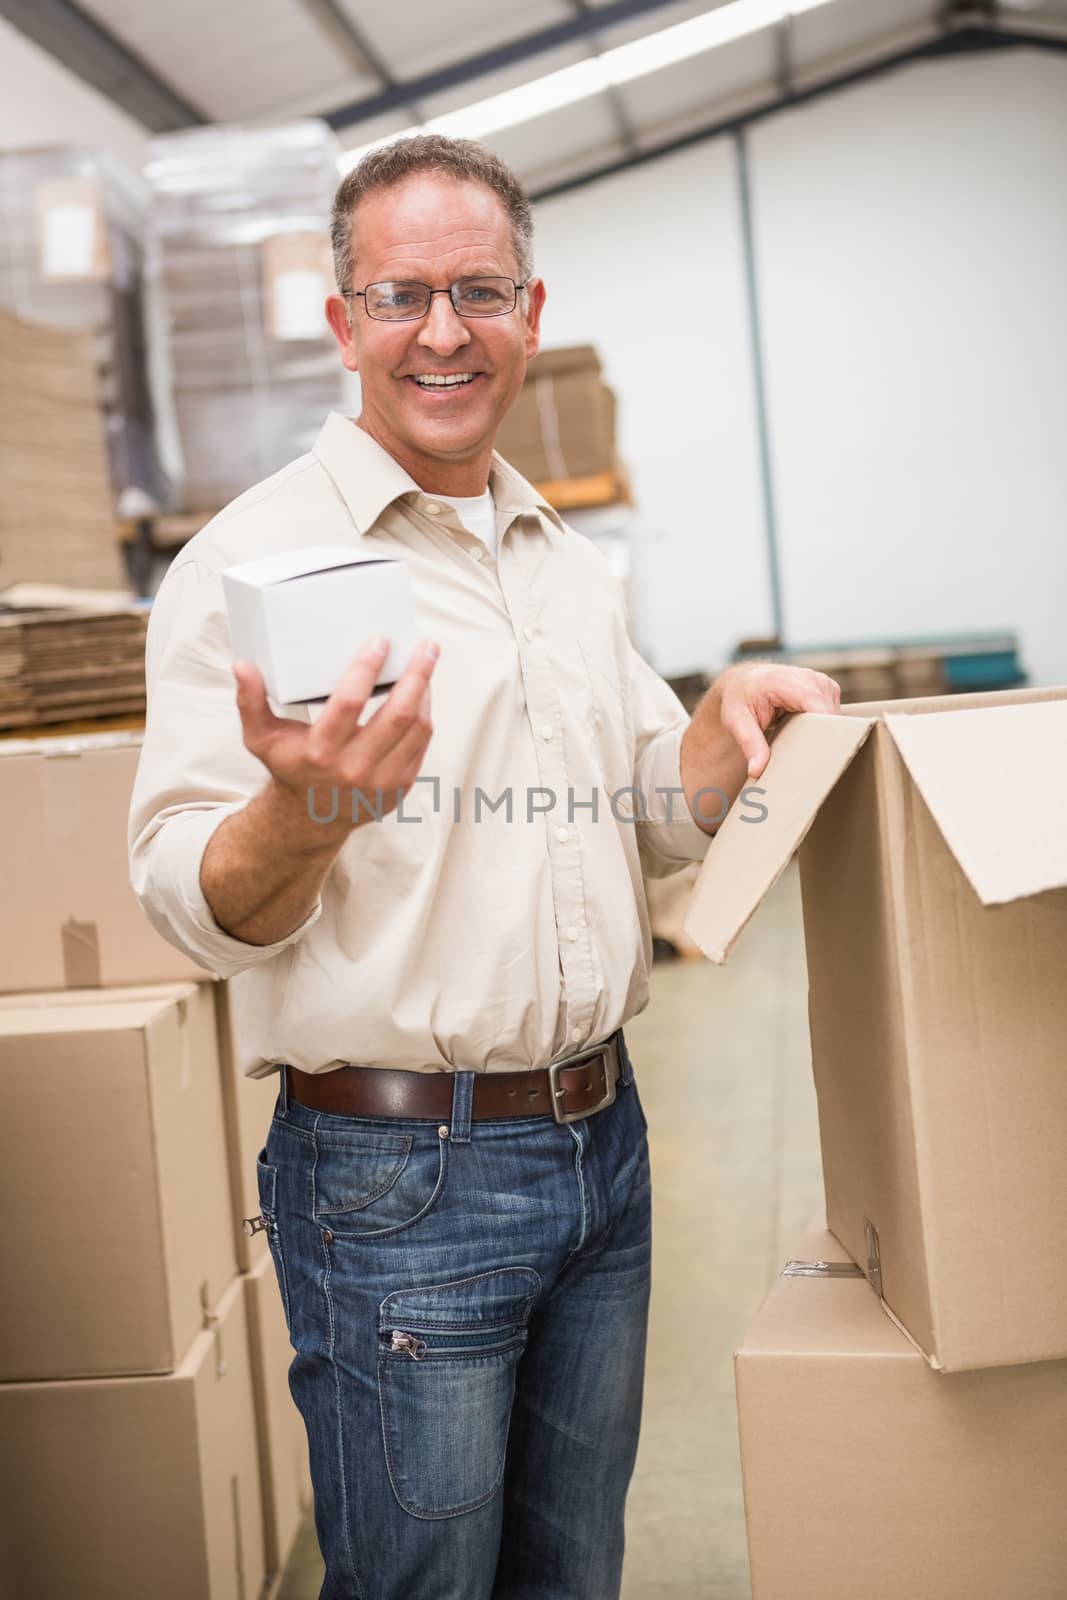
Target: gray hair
(463, 159)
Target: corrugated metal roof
(275, 59)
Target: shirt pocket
(447, 1361)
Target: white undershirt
(477, 514)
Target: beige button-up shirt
(473, 934)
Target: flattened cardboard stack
(933, 861)
(57, 521)
(128, 1163)
(562, 425)
(73, 260)
(60, 664)
(239, 249)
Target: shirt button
(432, 509)
(546, 730)
(528, 633)
(477, 553)
(576, 1034)
(562, 835)
(572, 934)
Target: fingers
(344, 708)
(340, 744)
(257, 719)
(399, 767)
(745, 729)
(756, 699)
(405, 709)
(810, 691)
(833, 689)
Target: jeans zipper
(410, 1344)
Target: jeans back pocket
(447, 1360)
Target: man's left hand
(726, 738)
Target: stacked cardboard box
(143, 1322)
(57, 520)
(73, 260)
(239, 251)
(562, 426)
(934, 882)
(58, 663)
(901, 669)
(886, 674)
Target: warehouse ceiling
(374, 68)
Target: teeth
(432, 380)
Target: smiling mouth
(446, 383)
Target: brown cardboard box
(562, 424)
(74, 921)
(283, 1445)
(57, 521)
(869, 1477)
(113, 1180)
(123, 1487)
(935, 915)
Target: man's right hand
(336, 752)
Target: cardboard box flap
(748, 856)
(996, 783)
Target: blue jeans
(468, 1307)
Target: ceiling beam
(99, 58)
(965, 41)
(613, 94)
(341, 29)
(479, 66)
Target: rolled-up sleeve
(194, 770)
(667, 836)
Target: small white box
(303, 615)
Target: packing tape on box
(81, 955)
(874, 1255)
(545, 394)
(821, 1269)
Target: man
(461, 1236)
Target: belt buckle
(556, 1092)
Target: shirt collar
(369, 480)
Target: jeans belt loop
(462, 1098)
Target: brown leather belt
(568, 1090)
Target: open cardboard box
(933, 863)
(869, 1477)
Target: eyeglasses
(407, 302)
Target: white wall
(911, 239)
(42, 103)
(647, 266)
(912, 260)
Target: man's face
(433, 230)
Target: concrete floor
(723, 1063)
